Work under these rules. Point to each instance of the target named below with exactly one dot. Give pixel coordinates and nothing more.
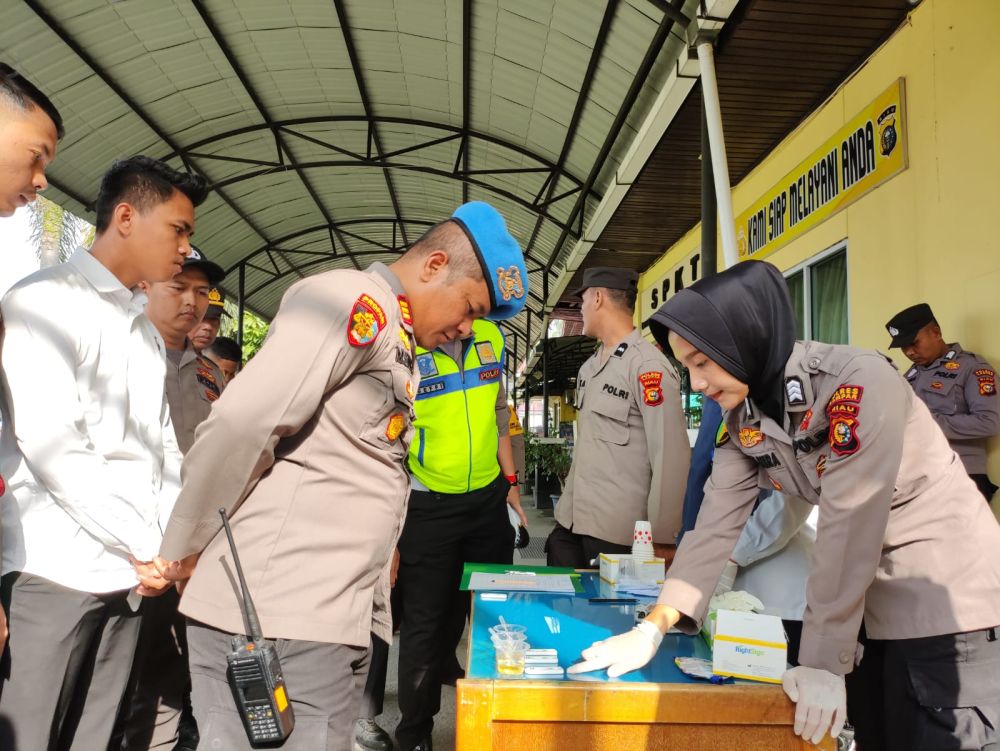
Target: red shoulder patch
(843, 410)
(652, 392)
(366, 321)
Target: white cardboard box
(749, 646)
(620, 568)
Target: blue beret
(499, 255)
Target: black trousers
(566, 548)
(986, 487)
(938, 693)
(441, 533)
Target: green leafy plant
(549, 458)
(254, 329)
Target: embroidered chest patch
(750, 437)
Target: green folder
(501, 568)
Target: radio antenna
(249, 611)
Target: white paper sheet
(519, 582)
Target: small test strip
(541, 656)
(543, 670)
(493, 596)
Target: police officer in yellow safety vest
(462, 478)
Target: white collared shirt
(88, 452)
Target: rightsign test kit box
(749, 646)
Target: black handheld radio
(255, 674)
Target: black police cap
(609, 277)
(903, 326)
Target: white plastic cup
(642, 541)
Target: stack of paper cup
(642, 542)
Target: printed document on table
(515, 581)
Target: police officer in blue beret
(314, 480)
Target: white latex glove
(727, 579)
(621, 654)
(820, 702)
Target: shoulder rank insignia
(620, 350)
(509, 282)
(652, 393)
(366, 321)
(794, 391)
(404, 310)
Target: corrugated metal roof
(336, 131)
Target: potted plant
(549, 460)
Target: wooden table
(655, 708)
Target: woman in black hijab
(903, 539)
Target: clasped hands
(158, 575)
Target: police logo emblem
(509, 282)
(937, 385)
(486, 354)
(426, 365)
(844, 435)
(750, 437)
(887, 136)
(367, 319)
(952, 365)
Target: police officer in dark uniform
(959, 388)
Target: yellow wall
(930, 233)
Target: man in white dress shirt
(91, 460)
(30, 127)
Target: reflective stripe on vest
(455, 446)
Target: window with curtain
(819, 298)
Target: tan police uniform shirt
(904, 537)
(193, 384)
(632, 453)
(960, 390)
(305, 449)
